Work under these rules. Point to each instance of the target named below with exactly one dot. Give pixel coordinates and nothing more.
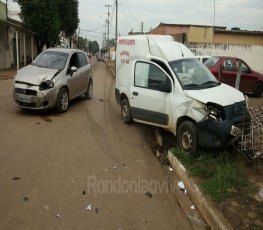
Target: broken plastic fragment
(181, 185)
(88, 207)
(193, 207)
(171, 169)
(58, 215)
(114, 167)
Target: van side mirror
(165, 86)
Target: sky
(137, 15)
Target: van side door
(150, 94)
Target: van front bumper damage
(216, 134)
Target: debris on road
(148, 194)
(182, 187)
(16, 178)
(171, 169)
(88, 207)
(193, 207)
(84, 192)
(58, 215)
(46, 207)
(25, 198)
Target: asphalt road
(84, 169)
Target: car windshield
(192, 74)
(51, 60)
(211, 61)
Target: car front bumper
(216, 134)
(31, 98)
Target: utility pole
(116, 27)
(116, 34)
(108, 45)
(6, 8)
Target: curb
(211, 215)
(6, 77)
(112, 72)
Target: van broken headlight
(48, 84)
(215, 112)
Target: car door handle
(135, 93)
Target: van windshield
(192, 74)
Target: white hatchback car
(55, 77)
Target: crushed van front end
(222, 125)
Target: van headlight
(215, 112)
(48, 84)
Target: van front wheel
(187, 136)
(126, 112)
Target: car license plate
(27, 99)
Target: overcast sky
(246, 14)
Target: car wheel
(187, 136)
(62, 101)
(258, 89)
(126, 112)
(89, 92)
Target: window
(73, 61)
(149, 76)
(82, 59)
(229, 65)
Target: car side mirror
(73, 69)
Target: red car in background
(250, 81)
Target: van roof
(162, 46)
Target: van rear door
(150, 94)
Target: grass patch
(220, 178)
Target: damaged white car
(161, 83)
(55, 77)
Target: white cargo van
(160, 82)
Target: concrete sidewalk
(7, 73)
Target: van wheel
(188, 137)
(258, 89)
(126, 112)
(62, 101)
(89, 92)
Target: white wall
(252, 55)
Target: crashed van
(159, 82)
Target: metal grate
(250, 140)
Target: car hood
(35, 75)
(223, 95)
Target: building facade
(17, 44)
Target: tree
(48, 17)
(68, 12)
(83, 44)
(93, 47)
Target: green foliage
(48, 17)
(93, 47)
(220, 178)
(83, 44)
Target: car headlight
(48, 84)
(215, 112)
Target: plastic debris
(181, 185)
(88, 207)
(148, 194)
(114, 167)
(171, 169)
(58, 215)
(193, 207)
